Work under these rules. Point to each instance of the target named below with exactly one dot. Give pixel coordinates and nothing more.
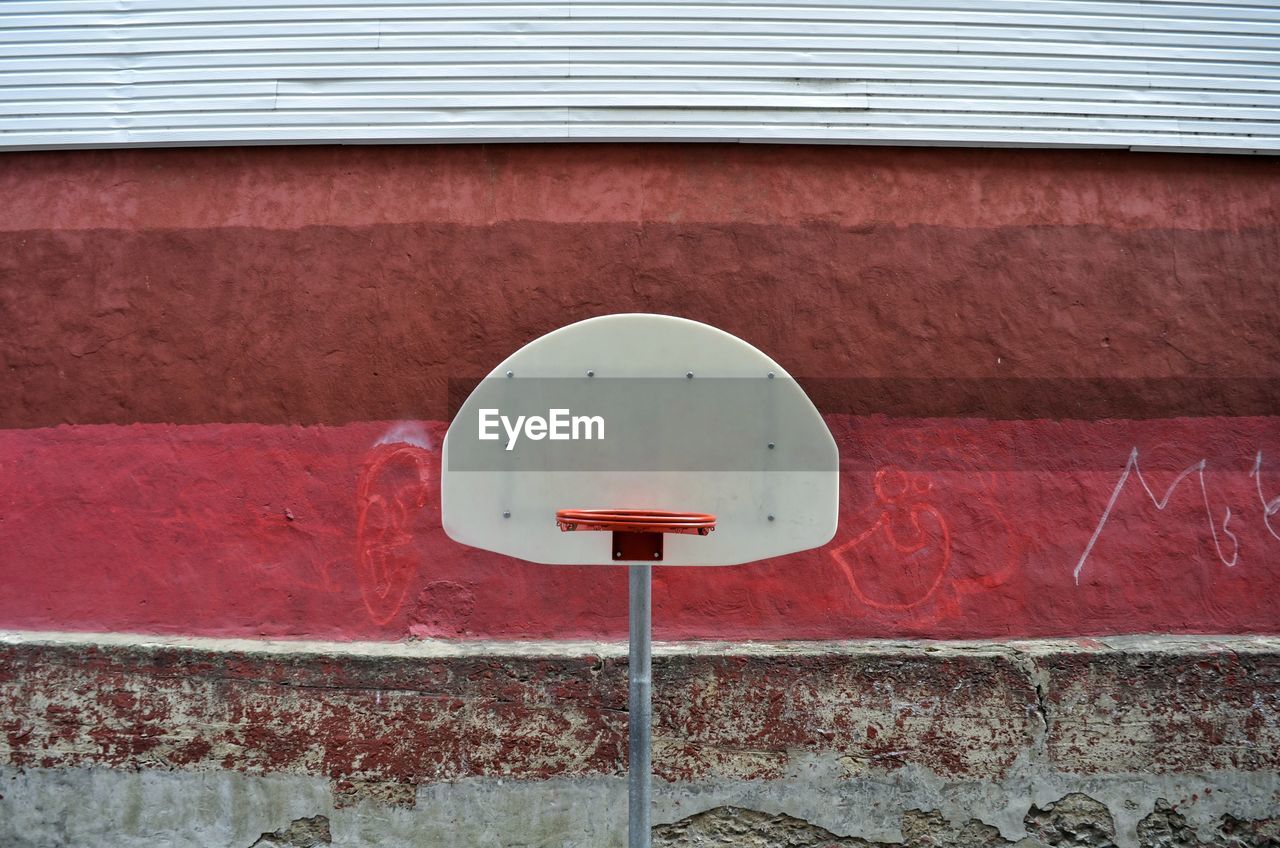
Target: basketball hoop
(637, 533)
(635, 521)
(739, 412)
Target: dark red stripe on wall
(329, 325)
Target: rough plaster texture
(331, 325)
(329, 285)
(1074, 820)
(55, 808)
(205, 742)
(225, 372)
(948, 528)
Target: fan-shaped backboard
(668, 414)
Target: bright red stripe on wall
(949, 528)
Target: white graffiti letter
(1269, 507)
(1131, 467)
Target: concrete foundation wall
(1136, 742)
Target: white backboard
(674, 415)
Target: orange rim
(635, 521)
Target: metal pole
(641, 708)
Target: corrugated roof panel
(1171, 75)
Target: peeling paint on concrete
(301, 833)
(870, 808)
(131, 809)
(395, 744)
(1075, 821)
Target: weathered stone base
(121, 741)
(43, 808)
(1076, 819)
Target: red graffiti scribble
(899, 561)
(394, 486)
(937, 530)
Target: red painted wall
(225, 373)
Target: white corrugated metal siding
(1157, 75)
